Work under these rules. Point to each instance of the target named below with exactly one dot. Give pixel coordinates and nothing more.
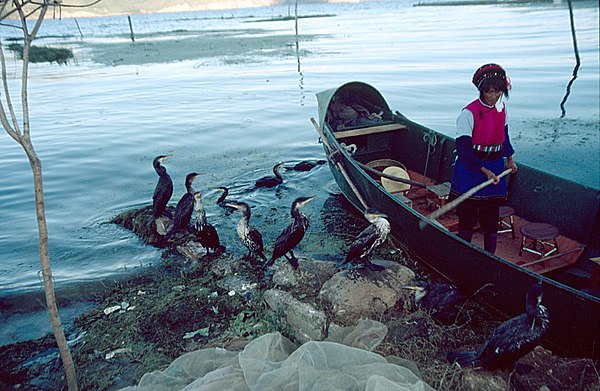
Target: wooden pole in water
(131, 28)
(78, 28)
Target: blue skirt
(465, 178)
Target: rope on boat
(431, 140)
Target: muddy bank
(188, 303)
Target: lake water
(232, 113)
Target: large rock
(191, 250)
(473, 380)
(308, 278)
(306, 322)
(352, 295)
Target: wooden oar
(392, 177)
(454, 203)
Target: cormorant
(292, 234)
(249, 235)
(271, 181)
(439, 299)
(206, 233)
(184, 208)
(307, 165)
(221, 201)
(164, 188)
(368, 240)
(224, 193)
(512, 339)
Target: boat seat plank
(368, 130)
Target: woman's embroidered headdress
(488, 71)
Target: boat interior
(541, 256)
(535, 245)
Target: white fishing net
(272, 362)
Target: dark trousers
(486, 215)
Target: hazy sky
(120, 7)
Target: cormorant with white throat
(368, 240)
(184, 208)
(292, 234)
(205, 232)
(250, 236)
(512, 339)
(164, 188)
(271, 181)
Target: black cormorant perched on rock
(184, 208)
(249, 235)
(271, 181)
(512, 339)
(206, 233)
(368, 240)
(292, 234)
(164, 188)
(441, 300)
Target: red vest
(488, 127)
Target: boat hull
(574, 314)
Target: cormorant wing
(256, 239)
(288, 239)
(362, 243)
(507, 343)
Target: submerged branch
(577, 61)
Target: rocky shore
(197, 305)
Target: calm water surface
(97, 127)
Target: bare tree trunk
(21, 135)
(59, 335)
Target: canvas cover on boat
(272, 362)
(352, 105)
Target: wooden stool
(543, 234)
(440, 193)
(506, 223)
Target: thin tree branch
(13, 131)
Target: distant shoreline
(478, 2)
(120, 7)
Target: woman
(483, 151)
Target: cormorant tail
(463, 359)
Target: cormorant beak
(414, 288)
(377, 214)
(235, 206)
(306, 201)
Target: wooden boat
(362, 137)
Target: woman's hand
(490, 175)
(511, 164)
